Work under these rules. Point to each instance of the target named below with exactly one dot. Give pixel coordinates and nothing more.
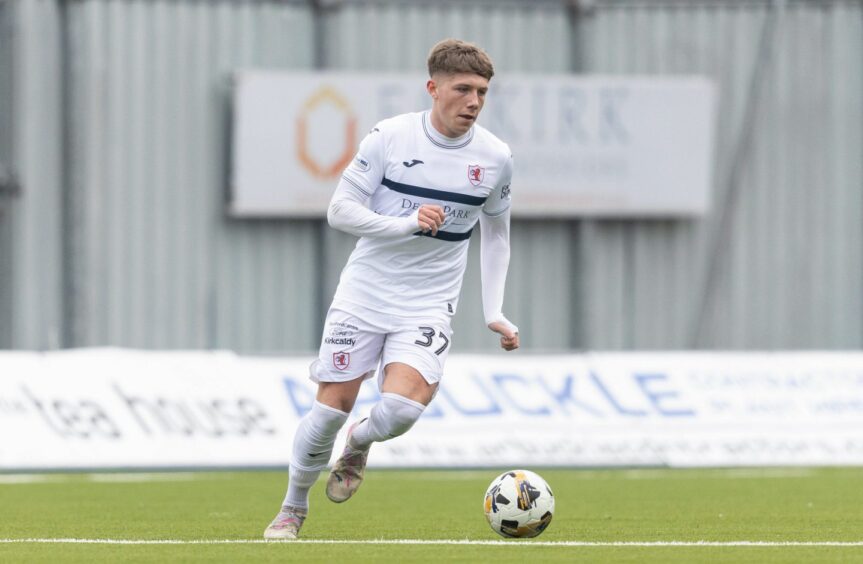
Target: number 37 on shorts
(432, 337)
(424, 347)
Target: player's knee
(401, 413)
(339, 395)
(326, 421)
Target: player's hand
(430, 217)
(508, 339)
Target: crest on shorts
(475, 174)
(341, 360)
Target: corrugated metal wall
(784, 270)
(151, 259)
(158, 264)
(30, 223)
(7, 57)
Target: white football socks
(313, 445)
(392, 416)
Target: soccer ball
(518, 504)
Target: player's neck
(434, 130)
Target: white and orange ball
(519, 504)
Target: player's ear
(431, 87)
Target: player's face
(457, 100)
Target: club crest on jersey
(341, 360)
(475, 174)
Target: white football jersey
(403, 163)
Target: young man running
(413, 194)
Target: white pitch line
(139, 477)
(111, 477)
(23, 478)
(447, 542)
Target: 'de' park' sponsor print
(131, 409)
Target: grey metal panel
(605, 278)
(33, 152)
(158, 264)
(843, 166)
(397, 36)
(7, 124)
(789, 270)
(155, 261)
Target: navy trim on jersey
(432, 193)
(442, 145)
(356, 185)
(447, 235)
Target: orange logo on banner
(323, 96)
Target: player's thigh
(424, 348)
(339, 395)
(406, 381)
(350, 349)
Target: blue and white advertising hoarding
(582, 145)
(109, 408)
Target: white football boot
(286, 525)
(347, 473)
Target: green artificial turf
(592, 506)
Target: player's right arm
(348, 209)
(494, 259)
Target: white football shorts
(352, 347)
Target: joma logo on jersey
(475, 174)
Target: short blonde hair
(452, 56)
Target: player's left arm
(494, 259)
